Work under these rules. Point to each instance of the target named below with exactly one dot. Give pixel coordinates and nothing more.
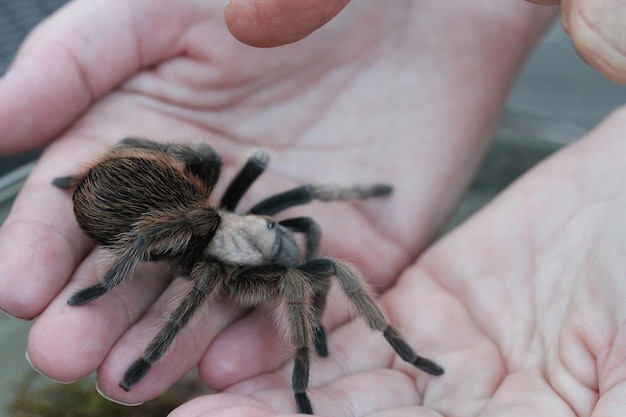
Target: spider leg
(254, 166)
(307, 193)
(200, 159)
(207, 280)
(296, 293)
(320, 273)
(351, 284)
(251, 286)
(160, 235)
(134, 254)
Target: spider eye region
(249, 240)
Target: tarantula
(146, 201)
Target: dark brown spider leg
(200, 159)
(307, 193)
(351, 284)
(207, 280)
(64, 183)
(254, 166)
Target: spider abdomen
(115, 193)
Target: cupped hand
(374, 96)
(523, 305)
(597, 32)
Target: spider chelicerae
(146, 201)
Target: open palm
(375, 96)
(523, 305)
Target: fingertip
(32, 365)
(33, 269)
(278, 22)
(598, 38)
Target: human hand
(596, 28)
(523, 305)
(597, 32)
(384, 104)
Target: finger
(278, 22)
(250, 346)
(598, 34)
(40, 242)
(67, 343)
(76, 56)
(358, 394)
(224, 405)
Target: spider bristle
(87, 295)
(136, 371)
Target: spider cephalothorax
(146, 201)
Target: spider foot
(87, 295)
(134, 374)
(63, 182)
(427, 366)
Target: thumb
(266, 23)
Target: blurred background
(17, 18)
(555, 84)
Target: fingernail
(99, 389)
(226, 3)
(7, 313)
(42, 374)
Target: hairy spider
(146, 201)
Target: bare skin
(597, 33)
(596, 27)
(311, 101)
